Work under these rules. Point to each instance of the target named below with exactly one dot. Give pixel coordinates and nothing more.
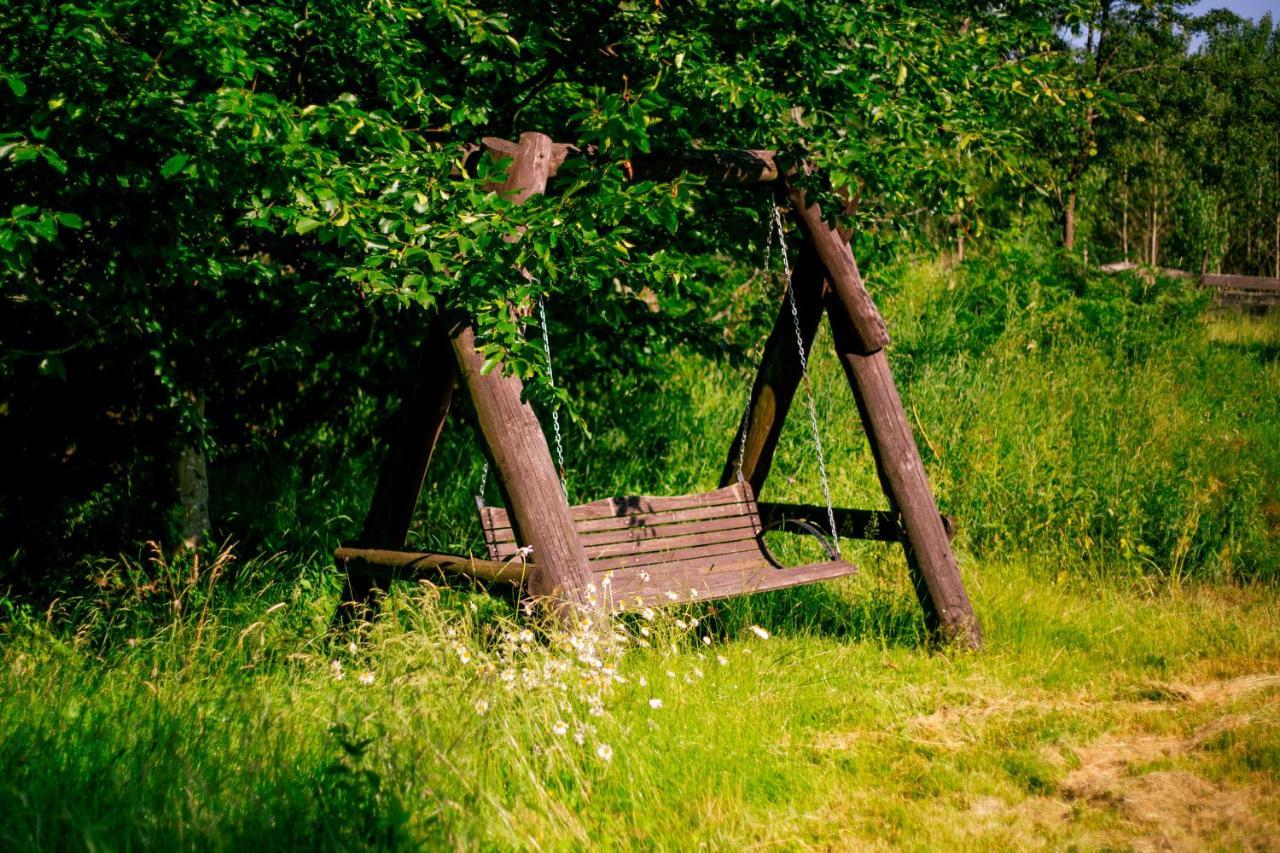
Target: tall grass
(225, 726)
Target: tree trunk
(193, 490)
(1069, 230)
(1124, 218)
(1276, 259)
(1155, 234)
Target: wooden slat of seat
(662, 519)
(648, 531)
(644, 542)
(617, 513)
(670, 544)
(643, 505)
(688, 553)
(667, 532)
(629, 589)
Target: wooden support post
(411, 439)
(851, 297)
(540, 513)
(420, 422)
(934, 572)
(779, 374)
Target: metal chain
(804, 373)
(555, 411)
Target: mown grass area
(1112, 452)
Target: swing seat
(647, 551)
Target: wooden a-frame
(825, 281)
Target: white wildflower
(706, 641)
(482, 706)
(655, 703)
(336, 668)
(680, 623)
(605, 752)
(648, 614)
(760, 632)
(722, 660)
(366, 678)
(672, 595)
(560, 728)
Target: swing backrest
(656, 550)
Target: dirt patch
(1105, 763)
(1229, 689)
(1149, 808)
(1178, 809)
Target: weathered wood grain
(387, 564)
(933, 566)
(685, 584)
(850, 294)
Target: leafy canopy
(200, 172)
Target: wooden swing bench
(626, 553)
(642, 551)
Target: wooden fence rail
(1235, 290)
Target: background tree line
(1177, 152)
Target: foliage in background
(1174, 155)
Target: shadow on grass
(853, 611)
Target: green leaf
(16, 85)
(306, 225)
(70, 220)
(174, 165)
(53, 159)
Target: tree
(214, 198)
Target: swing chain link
(804, 373)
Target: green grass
(1112, 453)
(220, 728)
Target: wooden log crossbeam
(387, 564)
(879, 525)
